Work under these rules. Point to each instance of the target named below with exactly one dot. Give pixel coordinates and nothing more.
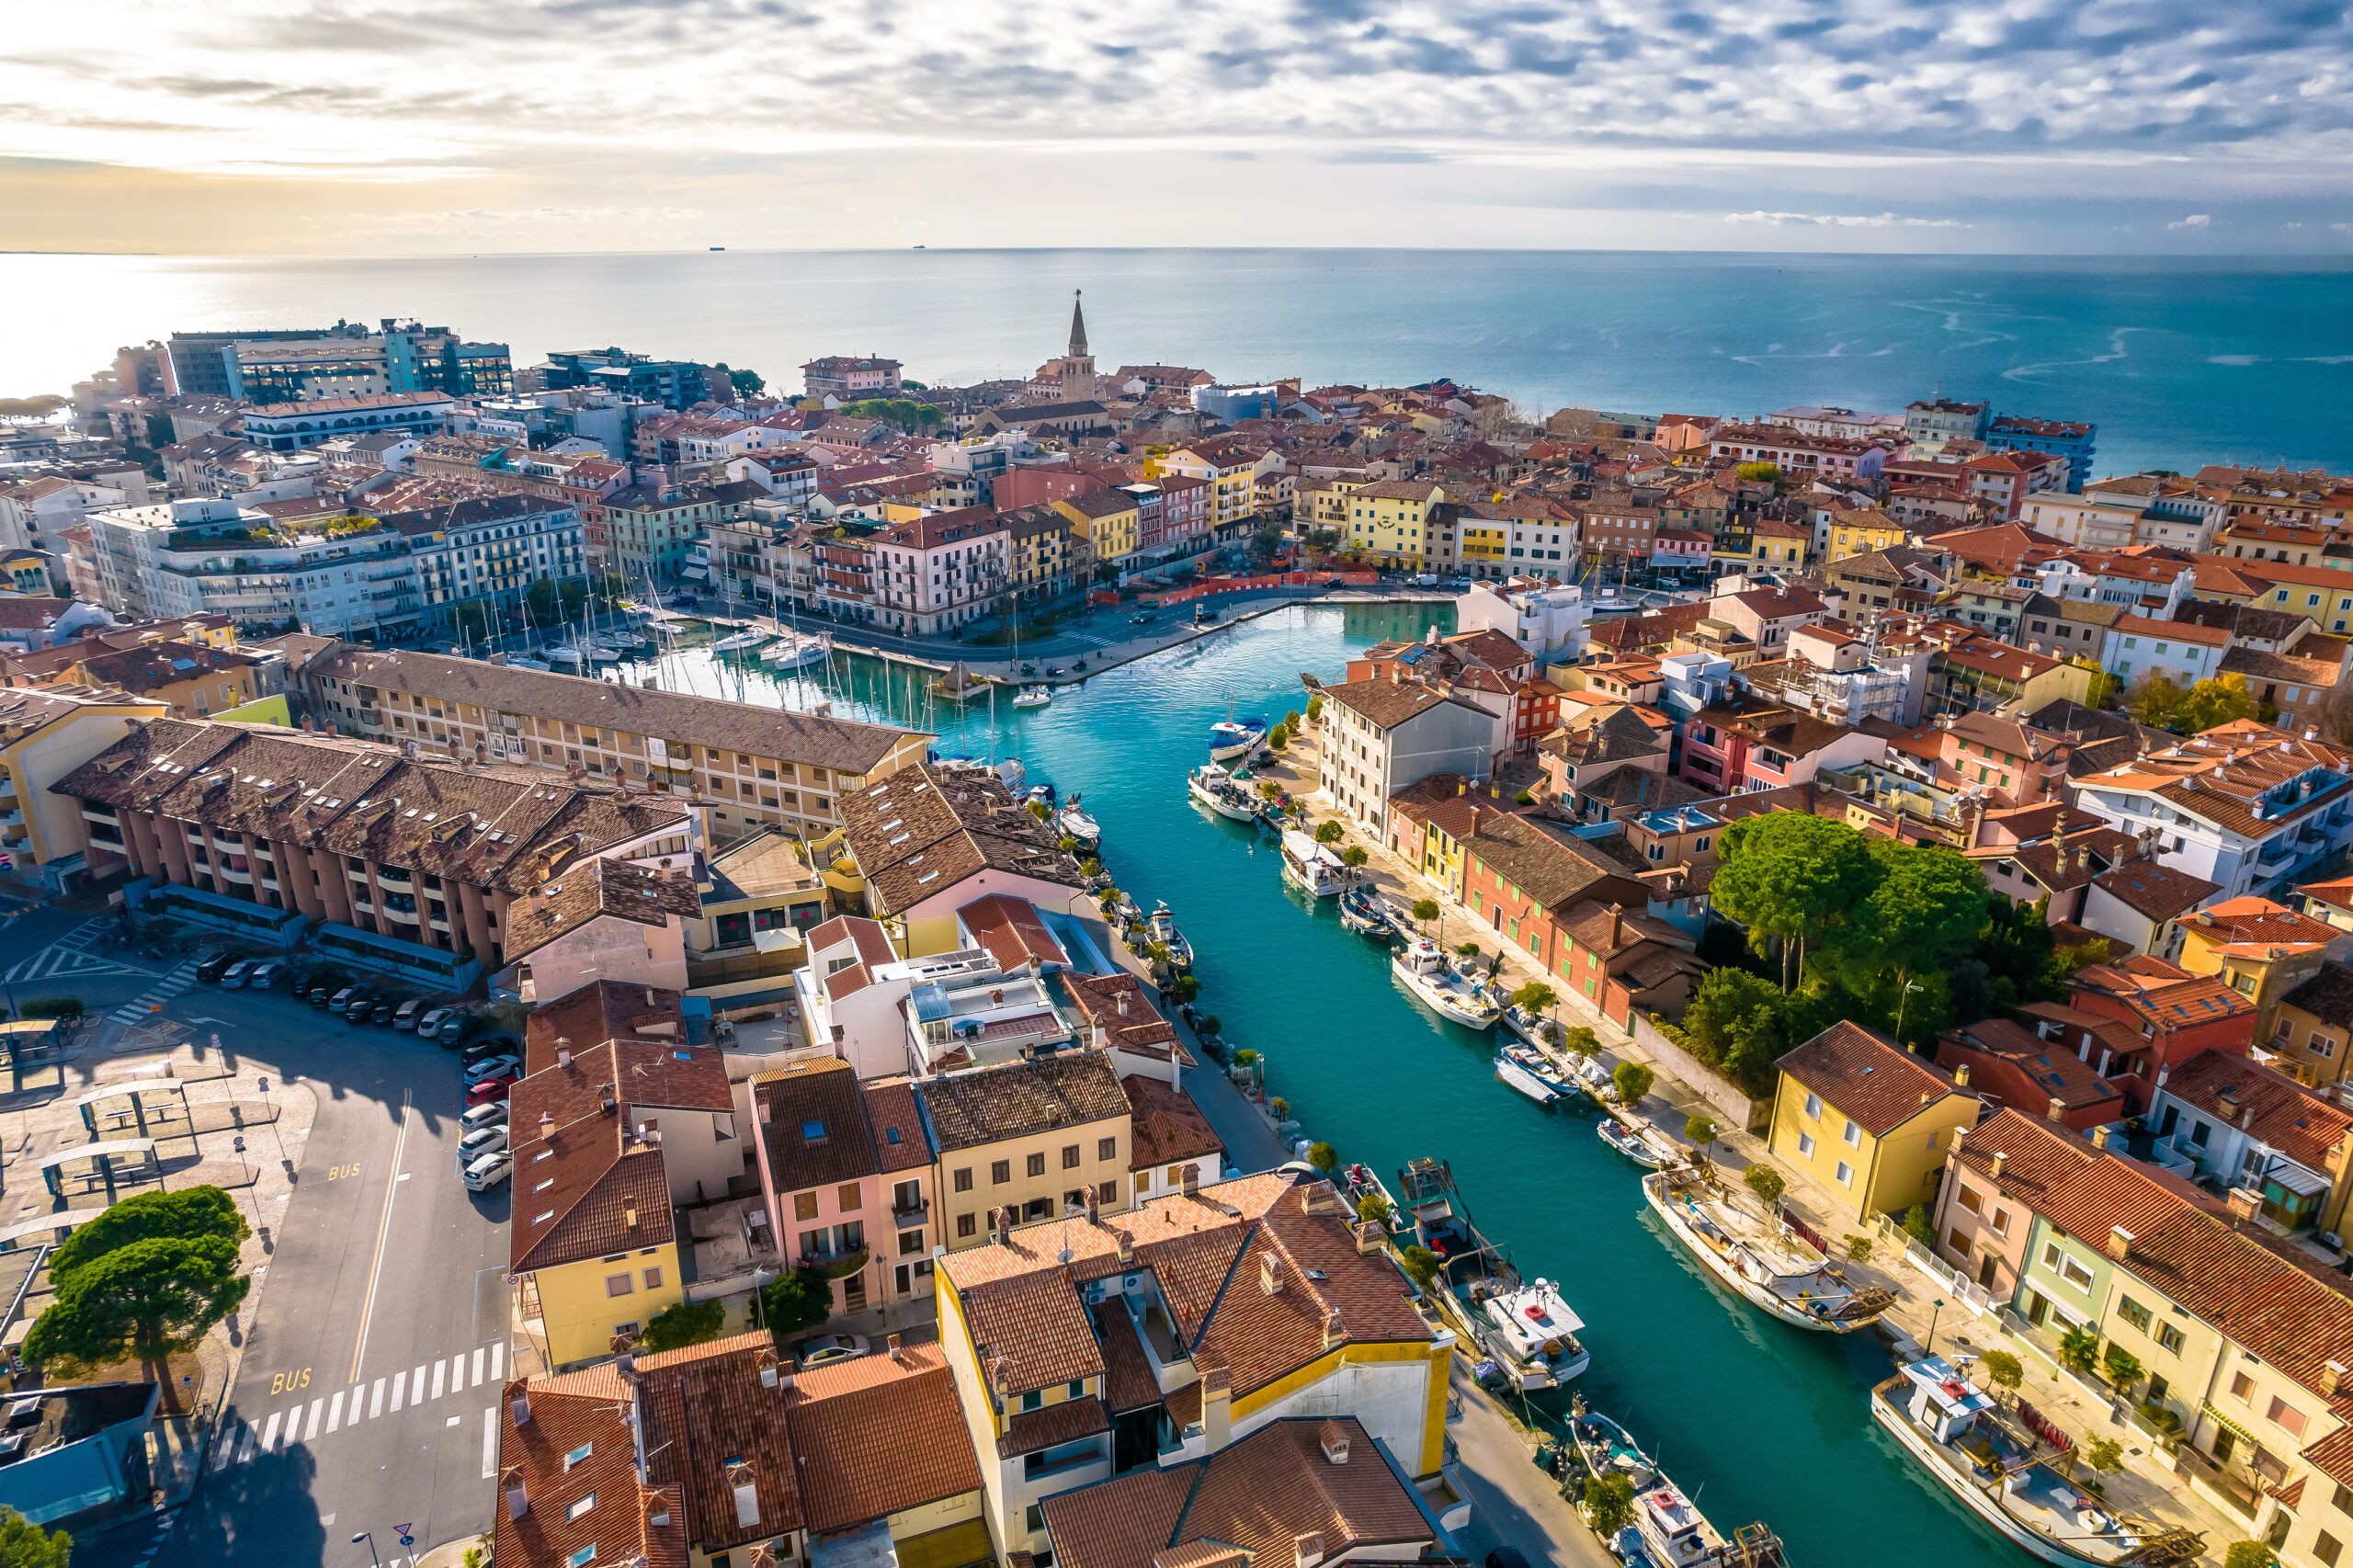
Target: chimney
(562, 1051)
(1617, 924)
(896, 1349)
(747, 1494)
(2244, 1202)
(657, 1509)
(1335, 1443)
(1126, 1248)
(2056, 1110)
(1368, 1237)
(2120, 1243)
(2332, 1375)
(518, 1401)
(1217, 1409)
(1960, 1076)
(1123, 1004)
(2001, 1159)
(1334, 1331)
(1270, 1273)
(518, 1497)
(771, 1376)
(1192, 1180)
(2100, 1138)
(1318, 1198)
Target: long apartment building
(355, 833)
(212, 557)
(752, 767)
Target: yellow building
(1390, 520)
(1867, 1121)
(1858, 530)
(2261, 950)
(27, 573)
(1774, 543)
(194, 680)
(44, 735)
(1029, 1140)
(1229, 465)
(1108, 520)
(1048, 553)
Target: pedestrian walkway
(71, 956)
(240, 1440)
(137, 1010)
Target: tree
(1426, 910)
(1766, 1183)
(1858, 1248)
(1315, 708)
(1918, 1226)
(24, 1544)
(1927, 907)
(2007, 1370)
(2155, 700)
(1610, 1504)
(2250, 1554)
(1735, 1023)
(1760, 473)
(1579, 1041)
(1535, 999)
(1373, 1206)
(1323, 1157)
(1700, 1131)
(1292, 721)
(2104, 1453)
(2078, 1347)
(146, 1299)
(1278, 737)
(683, 1324)
(748, 383)
(2217, 699)
(1632, 1081)
(1329, 832)
(2123, 1368)
(190, 1214)
(1792, 878)
(1420, 1264)
(1355, 858)
(795, 1302)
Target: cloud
(2195, 221)
(1843, 220)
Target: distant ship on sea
(719, 247)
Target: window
(2286, 1416)
(804, 1205)
(1075, 1389)
(1037, 1164)
(1035, 1399)
(963, 1179)
(1957, 1244)
(2133, 1312)
(1846, 1174)
(1813, 1108)
(846, 1195)
(1000, 1172)
(2325, 1550)
(1853, 1135)
(1967, 1198)
(2170, 1338)
(1106, 1148)
(578, 1454)
(963, 1225)
(1805, 1144)
(584, 1556)
(619, 1284)
(1108, 1193)
(1070, 1156)
(2241, 1386)
(580, 1506)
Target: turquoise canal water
(1759, 1420)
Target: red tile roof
(1870, 1079)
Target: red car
(489, 1089)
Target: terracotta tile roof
(2155, 890)
(642, 894)
(925, 829)
(1066, 1421)
(1168, 1126)
(711, 1424)
(1253, 1502)
(580, 1184)
(1385, 704)
(2269, 1106)
(2250, 927)
(1869, 1080)
(880, 1435)
(1127, 1379)
(600, 1011)
(2226, 774)
(1017, 1099)
(569, 1413)
(1120, 1005)
(2037, 1154)
(2160, 995)
(1554, 869)
(1009, 929)
(2059, 1074)
(899, 1141)
(812, 1122)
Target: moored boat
(1762, 1259)
(1311, 867)
(1671, 1529)
(1438, 1219)
(1163, 926)
(1215, 788)
(742, 642)
(1531, 1330)
(1361, 911)
(1426, 969)
(1959, 1434)
(525, 662)
(794, 651)
(1539, 1066)
(1076, 821)
(1609, 1448)
(1633, 1142)
(1370, 1198)
(1518, 1077)
(1231, 738)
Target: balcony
(908, 1215)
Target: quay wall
(1698, 1076)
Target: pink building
(845, 1171)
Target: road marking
(441, 1370)
(317, 1405)
(269, 1433)
(478, 1360)
(498, 1357)
(458, 1373)
(376, 1401)
(453, 1421)
(335, 1411)
(384, 1229)
(489, 1441)
(416, 1386)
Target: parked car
(345, 995)
(266, 976)
(428, 1023)
(320, 985)
(381, 1015)
(480, 1142)
(483, 1116)
(212, 965)
(357, 1010)
(486, 1046)
(488, 1171)
(827, 1349)
(406, 1015)
(492, 1067)
(488, 1091)
(236, 974)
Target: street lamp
(1934, 1311)
(263, 1084)
(369, 1537)
(238, 1144)
(1909, 987)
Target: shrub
(2007, 1370)
(1918, 1226)
(2104, 1453)
(1766, 1183)
(794, 1303)
(2078, 1349)
(1610, 1504)
(1420, 1264)
(1859, 1249)
(1245, 1057)
(1632, 1081)
(1323, 1157)
(1525, 798)
(684, 1322)
(2123, 1368)
(1280, 1107)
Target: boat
(1368, 1198)
(1231, 738)
(1362, 912)
(1075, 821)
(1769, 1265)
(1437, 1218)
(1609, 1448)
(1633, 1142)
(1311, 867)
(525, 662)
(1671, 1529)
(958, 684)
(794, 651)
(1531, 1330)
(1163, 926)
(1531, 1028)
(1960, 1436)
(1034, 697)
(1215, 788)
(740, 642)
(624, 640)
(1539, 1066)
(1518, 1077)
(564, 655)
(1432, 976)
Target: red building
(2133, 1022)
(2016, 1069)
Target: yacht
(1770, 1265)
(624, 641)
(1432, 976)
(1034, 697)
(1630, 1139)
(1532, 1330)
(794, 651)
(1311, 867)
(1960, 1436)
(1163, 926)
(1361, 911)
(564, 655)
(1231, 738)
(1075, 822)
(739, 642)
(1538, 1067)
(1215, 788)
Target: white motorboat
(1958, 1434)
(1424, 969)
(1520, 1078)
(1634, 1143)
(1531, 1329)
(1671, 1529)
(1231, 738)
(739, 642)
(1079, 826)
(1163, 926)
(525, 662)
(1361, 911)
(1527, 1058)
(794, 651)
(564, 655)
(1029, 695)
(1213, 786)
(1312, 868)
(1766, 1263)
(624, 641)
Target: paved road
(376, 1343)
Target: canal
(1755, 1420)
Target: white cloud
(2195, 221)
(1843, 220)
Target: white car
(493, 1067)
(831, 1347)
(482, 1116)
(236, 974)
(487, 1172)
(480, 1142)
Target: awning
(2226, 1423)
(2294, 1178)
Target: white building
(490, 549)
(212, 557)
(941, 571)
(2181, 651)
(290, 426)
(2245, 806)
(1546, 618)
(1380, 735)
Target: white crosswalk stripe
(238, 1441)
(72, 955)
(136, 1009)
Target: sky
(427, 127)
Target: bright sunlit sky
(395, 127)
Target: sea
(2179, 362)
(1755, 1420)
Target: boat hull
(1748, 1289)
(1633, 1146)
(1439, 1000)
(1527, 1083)
(1319, 887)
(1223, 805)
(2040, 1547)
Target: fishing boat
(742, 642)
(1527, 1083)
(1426, 969)
(1362, 912)
(1231, 738)
(1213, 786)
(1311, 867)
(1636, 1145)
(1539, 1066)
(1531, 1028)
(1076, 821)
(1609, 1448)
(1770, 1265)
(1438, 1220)
(1671, 1529)
(1960, 1436)
(1034, 697)
(1368, 1198)
(1532, 1331)
(1163, 926)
